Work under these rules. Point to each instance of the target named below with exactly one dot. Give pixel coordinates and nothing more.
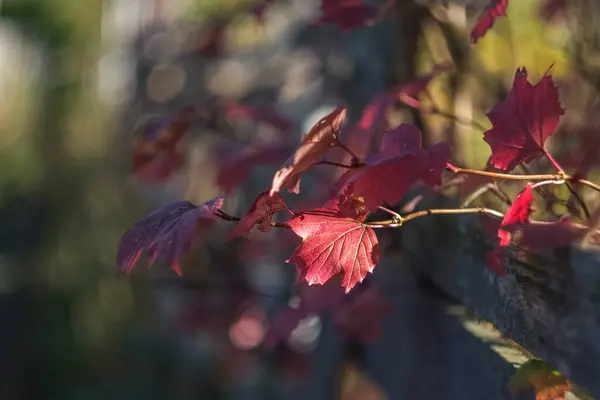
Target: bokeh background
(79, 76)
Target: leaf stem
(500, 175)
(562, 178)
(355, 159)
(548, 182)
(434, 211)
(556, 164)
(228, 217)
(336, 164)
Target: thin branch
(391, 212)
(437, 111)
(585, 182)
(355, 159)
(555, 163)
(548, 182)
(499, 175)
(227, 217)
(417, 214)
(336, 164)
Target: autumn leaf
(322, 136)
(346, 14)
(260, 213)
(523, 122)
(495, 9)
(409, 92)
(518, 213)
(332, 245)
(548, 383)
(399, 164)
(166, 233)
(403, 139)
(233, 168)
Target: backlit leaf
(332, 245)
(166, 233)
(523, 122)
(495, 9)
(322, 136)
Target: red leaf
(234, 169)
(345, 205)
(332, 245)
(518, 213)
(166, 233)
(260, 213)
(322, 136)
(347, 14)
(547, 234)
(403, 139)
(495, 9)
(523, 122)
(409, 92)
(155, 155)
(399, 164)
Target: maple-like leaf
(166, 233)
(523, 122)
(518, 213)
(495, 9)
(548, 383)
(409, 92)
(260, 213)
(233, 168)
(346, 14)
(332, 245)
(322, 136)
(155, 154)
(399, 164)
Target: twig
(336, 164)
(392, 223)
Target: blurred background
(80, 77)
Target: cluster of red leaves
(336, 240)
(336, 237)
